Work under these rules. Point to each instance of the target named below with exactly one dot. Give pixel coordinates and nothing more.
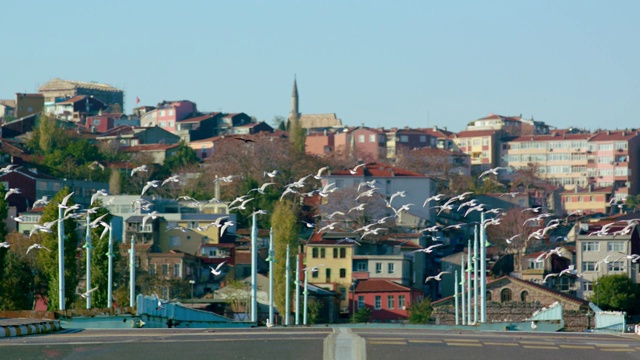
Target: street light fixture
(192, 282)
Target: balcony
(533, 272)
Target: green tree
(296, 136)
(4, 214)
(314, 313)
(184, 156)
(17, 290)
(616, 292)
(362, 316)
(420, 313)
(48, 261)
(285, 232)
(46, 131)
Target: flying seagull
(437, 277)
(142, 168)
(217, 271)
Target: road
(316, 343)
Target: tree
(296, 135)
(616, 292)
(420, 313)
(48, 261)
(115, 181)
(285, 232)
(16, 291)
(315, 307)
(4, 212)
(362, 316)
(184, 156)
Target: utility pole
(110, 254)
(467, 274)
(305, 292)
(132, 273)
(483, 270)
(60, 259)
(271, 261)
(455, 295)
(254, 269)
(88, 247)
(475, 274)
(464, 316)
(297, 283)
(287, 290)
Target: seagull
(437, 277)
(17, 218)
(226, 179)
(479, 207)
(4, 244)
(218, 221)
(177, 227)
(239, 199)
(534, 209)
(493, 171)
(101, 192)
(41, 202)
(160, 306)
(152, 215)
(241, 206)
(8, 168)
(258, 212)
(10, 192)
(318, 176)
(106, 229)
(65, 200)
(269, 324)
(368, 193)
(262, 188)
(225, 226)
(548, 276)
(512, 194)
(37, 246)
(510, 240)
(333, 214)
(217, 271)
(434, 198)
(88, 292)
(174, 178)
(152, 183)
(288, 191)
(428, 250)
(398, 193)
(313, 269)
(271, 174)
(308, 224)
(370, 184)
(330, 226)
(142, 168)
(325, 191)
(355, 169)
(357, 208)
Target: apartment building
(481, 146)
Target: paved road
(316, 343)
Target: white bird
(217, 270)
(4, 244)
(8, 168)
(101, 192)
(17, 218)
(330, 226)
(88, 292)
(510, 240)
(333, 214)
(533, 325)
(150, 184)
(65, 200)
(40, 228)
(373, 231)
(402, 208)
(37, 246)
(269, 324)
(152, 215)
(432, 198)
(325, 191)
(428, 250)
(177, 227)
(313, 269)
(370, 184)
(512, 194)
(226, 179)
(436, 277)
(41, 202)
(71, 208)
(10, 192)
(139, 168)
(225, 226)
(262, 188)
(318, 176)
(357, 208)
(355, 169)
(96, 221)
(479, 207)
(219, 221)
(308, 224)
(493, 171)
(398, 193)
(241, 206)
(106, 229)
(534, 209)
(258, 212)
(174, 178)
(271, 174)
(368, 193)
(288, 191)
(548, 276)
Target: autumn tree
(285, 232)
(48, 260)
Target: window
(533, 264)
(343, 293)
(361, 138)
(378, 302)
(322, 253)
(485, 141)
(314, 274)
(360, 302)
(505, 295)
(165, 269)
(162, 113)
(615, 246)
(343, 253)
(152, 270)
(96, 122)
(174, 241)
(362, 266)
(588, 266)
(423, 138)
(314, 253)
(390, 301)
(587, 286)
(170, 112)
(327, 272)
(589, 246)
(372, 138)
(488, 295)
(615, 266)
(335, 253)
(343, 273)
(524, 295)
(404, 138)
(176, 269)
(401, 302)
(391, 267)
(378, 268)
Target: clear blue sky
(378, 63)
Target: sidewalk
(19, 327)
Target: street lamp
(192, 282)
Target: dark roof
(375, 169)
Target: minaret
(294, 102)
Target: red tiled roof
(379, 285)
(74, 99)
(439, 133)
(614, 135)
(605, 190)
(438, 151)
(375, 169)
(553, 136)
(475, 133)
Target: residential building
(320, 143)
(58, 89)
(28, 104)
(103, 121)
(228, 122)
(444, 138)
(481, 145)
(388, 301)
(404, 140)
(588, 200)
(7, 109)
(77, 108)
(168, 113)
(134, 135)
(19, 126)
(197, 127)
(252, 128)
(599, 254)
(615, 162)
(509, 125)
(158, 153)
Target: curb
(29, 329)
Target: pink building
(612, 162)
(362, 143)
(168, 113)
(321, 143)
(388, 301)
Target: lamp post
(271, 261)
(297, 283)
(60, 260)
(254, 269)
(110, 254)
(287, 290)
(354, 283)
(88, 247)
(192, 282)
(305, 293)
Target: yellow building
(333, 258)
(481, 146)
(188, 233)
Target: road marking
(590, 347)
(537, 342)
(425, 341)
(383, 338)
(462, 340)
(540, 347)
(500, 344)
(463, 344)
(388, 342)
(621, 349)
